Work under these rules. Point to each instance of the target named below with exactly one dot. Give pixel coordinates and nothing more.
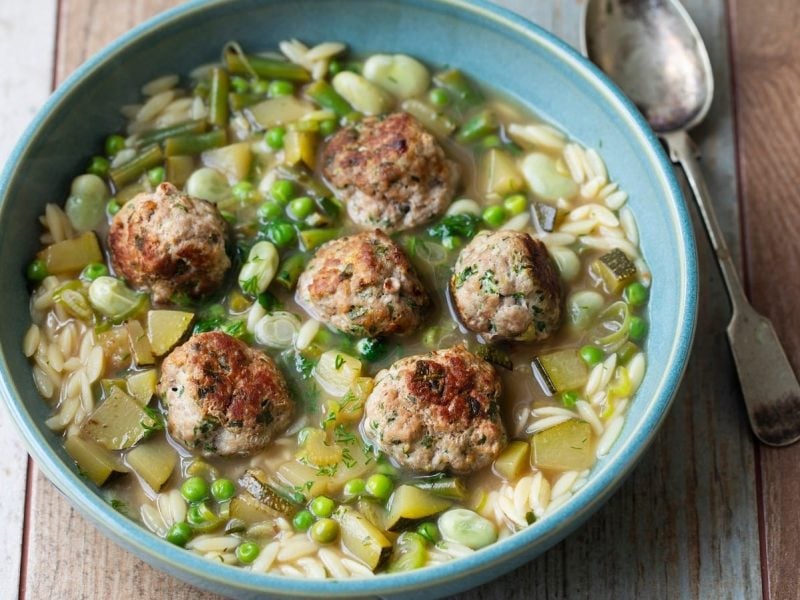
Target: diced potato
(118, 423)
(498, 175)
(561, 371)
(154, 461)
(233, 160)
(512, 460)
(544, 179)
(362, 538)
(116, 346)
(96, 462)
(336, 372)
(565, 447)
(142, 353)
(165, 328)
(72, 255)
(279, 111)
(300, 146)
(409, 504)
(615, 269)
(142, 385)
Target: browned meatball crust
(437, 412)
(505, 287)
(169, 243)
(222, 396)
(391, 172)
(363, 285)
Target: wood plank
(765, 50)
(683, 525)
(27, 33)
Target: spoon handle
(769, 386)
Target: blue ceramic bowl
(490, 44)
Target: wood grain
(683, 525)
(767, 74)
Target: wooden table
(708, 512)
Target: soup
(331, 316)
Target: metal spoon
(653, 51)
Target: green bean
(239, 63)
(159, 135)
(130, 171)
(218, 98)
(454, 82)
(312, 238)
(323, 94)
(290, 269)
(477, 126)
(240, 100)
(447, 487)
(194, 144)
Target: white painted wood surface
(27, 42)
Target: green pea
(112, 207)
(591, 355)
(439, 97)
(335, 67)
(37, 270)
(635, 294)
(242, 190)
(568, 399)
(194, 516)
(638, 329)
(325, 531)
(282, 190)
(516, 204)
(239, 84)
(354, 488)
(269, 210)
(301, 207)
(179, 534)
(494, 216)
(247, 552)
(371, 349)
(379, 486)
(260, 86)
(322, 506)
(451, 242)
(114, 143)
(302, 521)
(156, 175)
(281, 233)
(94, 270)
(274, 137)
(429, 531)
(279, 87)
(194, 489)
(327, 127)
(99, 166)
(222, 489)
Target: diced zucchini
(142, 353)
(495, 356)
(254, 481)
(300, 146)
(362, 538)
(409, 504)
(246, 508)
(615, 269)
(179, 168)
(565, 447)
(546, 216)
(119, 422)
(106, 385)
(233, 160)
(452, 488)
(336, 372)
(142, 385)
(279, 111)
(410, 552)
(165, 328)
(560, 371)
(498, 175)
(373, 511)
(72, 255)
(626, 352)
(154, 461)
(95, 462)
(512, 460)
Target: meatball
(505, 287)
(169, 243)
(391, 172)
(222, 396)
(363, 285)
(437, 412)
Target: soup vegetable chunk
(326, 315)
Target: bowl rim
(485, 564)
